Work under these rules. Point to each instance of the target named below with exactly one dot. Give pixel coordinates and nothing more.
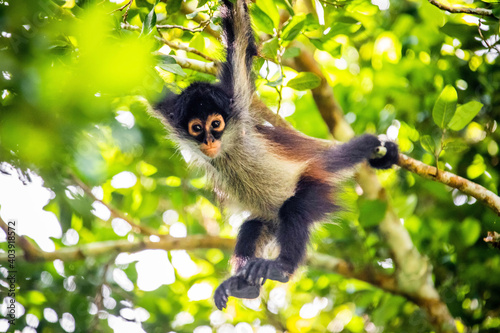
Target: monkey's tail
(380, 155)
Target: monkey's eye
(215, 124)
(196, 128)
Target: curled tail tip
(390, 157)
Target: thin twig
(98, 299)
(490, 47)
(115, 212)
(127, 5)
(183, 47)
(463, 10)
(199, 28)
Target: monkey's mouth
(211, 149)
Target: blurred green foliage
(74, 104)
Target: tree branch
(464, 185)
(196, 65)
(317, 260)
(463, 10)
(320, 261)
(31, 252)
(199, 19)
(165, 242)
(173, 45)
(199, 28)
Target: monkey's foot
(384, 156)
(261, 269)
(237, 287)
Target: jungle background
(110, 232)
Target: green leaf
(291, 52)
(262, 20)
(269, 7)
(496, 11)
(166, 59)
(405, 205)
(173, 6)
(477, 168)
(149, 23)
(288, 6)
(464, 115)
(270, 48)
(458, 30)
(276, 83)
(192, 15)
(143, 3)
(173, 68)
(293, 28)
(455, 146)
(201, 3)
(198, 42)
(304, 81)
(445, 106)
(428, 143)
(371, 212)
(470, 230)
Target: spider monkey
(284, 179)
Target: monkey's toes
(242, 289)
(262, 269)
(277, 274)
(220, 297)
(237, 287)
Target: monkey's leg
(311, 202)
(236, 286)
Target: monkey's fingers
(221, 296)
(237, 287)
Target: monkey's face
(208, 132)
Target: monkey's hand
(237, 287)
(258, 270)
(384, 155)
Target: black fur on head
(198, 100)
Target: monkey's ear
(165, 108)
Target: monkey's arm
(380, 155)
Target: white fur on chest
(254, 179)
